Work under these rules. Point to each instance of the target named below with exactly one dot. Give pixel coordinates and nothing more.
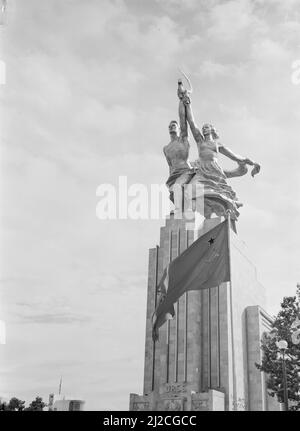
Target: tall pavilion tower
(205, 357)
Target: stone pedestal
(205, 357)
(205, 401)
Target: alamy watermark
(2, 332)
(2, 72)
(141, 202)
(295, 77)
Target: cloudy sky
(90, 89)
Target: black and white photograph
(149, 209)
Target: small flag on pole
(203, 265)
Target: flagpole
(185, 320)
(228, 212)
(177, 319)
(155, 303)
(60, 383)
(168, 322)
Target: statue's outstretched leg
(180, 197)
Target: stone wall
(213, 341)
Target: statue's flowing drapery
(207, 178)
(218, 195)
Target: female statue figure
(218, 195)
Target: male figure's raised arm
(185, 100)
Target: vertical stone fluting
(210, 344)
(188, 347)
(149, 345)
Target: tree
(36, 405)
(286, 326)
(15, 404)
(3, 406)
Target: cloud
(177, 4)
(213, 70)
(54, 318)
(232, 19)
(109, 121)
(42, 309)
(269, 52)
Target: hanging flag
(203, 265)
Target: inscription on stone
(239, 404)
(175, 388)
(173, 405)
(198, 405)
(140, 405)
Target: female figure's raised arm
(186, 113)
(190, 119)
(182, 120)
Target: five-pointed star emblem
(213, 253)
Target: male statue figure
(177, 153)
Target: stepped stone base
(205, 357)
(171, 401)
